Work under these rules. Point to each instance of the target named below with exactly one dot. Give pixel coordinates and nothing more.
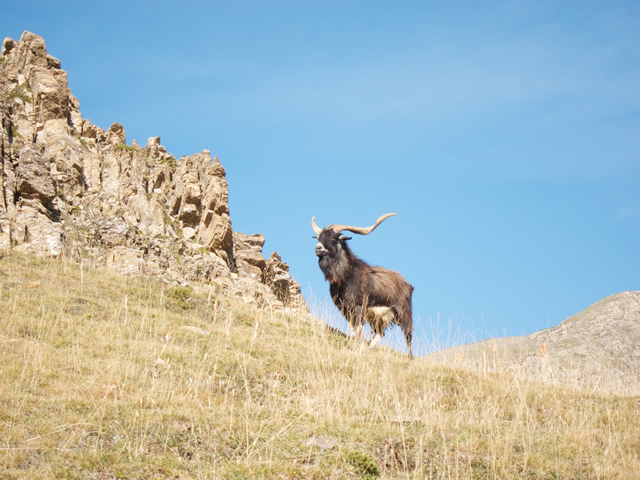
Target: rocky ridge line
(72, 189)
(598, 348)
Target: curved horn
(315, 227)
(361, 230)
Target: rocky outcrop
(597, 348)
(70, 188)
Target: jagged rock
(71, 188)
(248, 254)
(276, 276)
(33, 176)
(33, 231)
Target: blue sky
(505, 134)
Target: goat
(361, 292)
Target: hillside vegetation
(108, 377)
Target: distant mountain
(598, 348)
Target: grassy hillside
(108, 377)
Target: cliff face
(70, 188)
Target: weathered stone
(244, 241)
(71, 188)
(321, 442)
(248, 254)
(116, 135)
(32, 231)
(7, 45)
(34, 176)
(276, 276)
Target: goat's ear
(342, 238)
(317, 238)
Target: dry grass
(105, 377)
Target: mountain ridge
(598, 348)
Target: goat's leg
(359, 320)
(358, 331)
(374, 341)
(358, 336)
(408, 336)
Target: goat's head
(331, 240)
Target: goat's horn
(361, 230)
(315, 227)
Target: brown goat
(361, 292)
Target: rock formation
(70, 188)
(597, 348)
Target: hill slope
(596, 348)
(108, 377)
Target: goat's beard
(334, 269)
(325, 264)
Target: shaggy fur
(355, 287)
